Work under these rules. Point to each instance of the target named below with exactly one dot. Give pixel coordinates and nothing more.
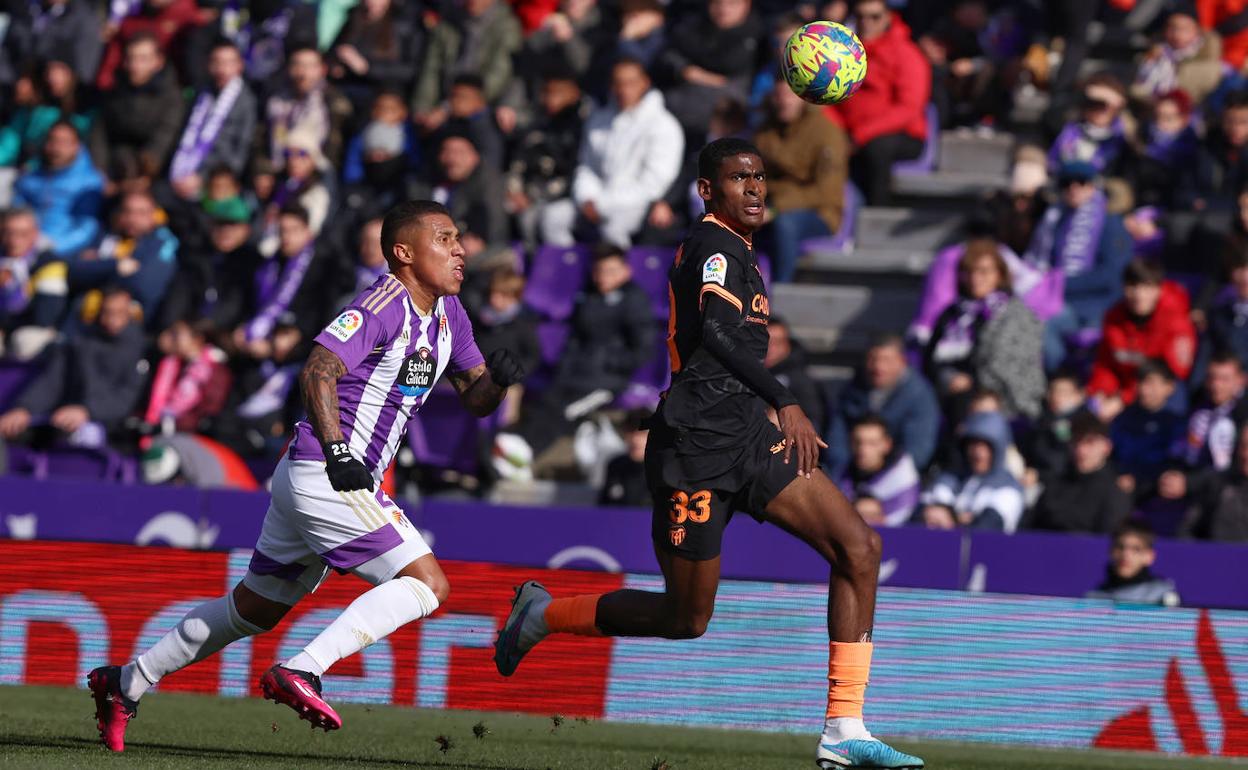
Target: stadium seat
(13, 378)
(842, 241)
(445, 436)
(555, 276)
(926, 162)
(552, 336)
(650, 265)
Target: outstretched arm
(318, 382)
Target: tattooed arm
(477, 390)
(318, 382)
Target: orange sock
(849, 667)
(574, 615)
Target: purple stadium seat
(13, 378)
(650, 265)
(24, 461)
(72, 462)
(444, 435)
(842, 241)
(555, 276)
(552, 336)
(926, 162)
(764, 267)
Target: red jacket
(893, 99)
(1168, 334)
(166, 24)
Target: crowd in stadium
(193, 190)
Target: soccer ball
(824, 62)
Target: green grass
(52, 727)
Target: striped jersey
(393, 356)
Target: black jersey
(712, 404)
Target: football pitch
(53, 727)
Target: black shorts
(696, 496)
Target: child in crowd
(1129, 575)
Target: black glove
(346, 474)
(505, 370)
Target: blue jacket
(1147, 443)
(68, 203)
(994, 498)
(157, 255)
(1095, 290)
(911, 412)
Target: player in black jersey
(713, 450)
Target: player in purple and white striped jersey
(370, 369)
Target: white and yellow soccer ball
(824, 62)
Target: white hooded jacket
(628, 159)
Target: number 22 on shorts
(695, 508)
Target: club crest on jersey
(416, 373)
(676, 535)
(715, 269)
(345, 325)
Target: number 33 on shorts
(694, 507)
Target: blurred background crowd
(191, 190)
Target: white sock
(837, 729)
(205, 629)
(374, 615)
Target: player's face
(740, 193)
(437, 257)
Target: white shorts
(311, 527)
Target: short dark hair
(64, 123)
(607, 250)
(1155, 367)
(144, 36)
(1087, 425)
(715, 153)
(1224, 356)
(403, 215)
(888, 340)
(1068, 374)
(469, 79)
(1138, 527)
(871, 419)
(300, 46)
(296, 211)
(224, 42)
(1141, 271)
(1237, 100)
(630, 61)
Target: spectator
(887, 118)
(473, 194)
(1211, 425)
(1129, 577)
(504, 322)
(1091, 247)
(630, 154)
(221, 126)
(64, 190)
(625, 482)
(611, 337)
(64, 28)
(164, 22)
(1220, 172)
(885, 385)
(305, 104)
(1152, 321)
(214, 283)
(469, 114)
(1169, 148)
(987, 401)
(786, 359)
(371, 264)
(1228, 318)
(985, 495)
(378, 48)
(1099, 137)
(304, 182)
(1085, 497)
(1013, 214)
(709, 57)
(480, 37)
(138, 255)
(807, 165)
(1226, 14)
(54, 96)
(642, 34)
(24, 251)
(544, 159)
(1221, 510)
(191, 383)
(575, 37)
(881, 481)
(1045, 448)
(139, 121)
(1148, 435)
(89, 383)
(987, 338)
(384, 151)
(1187, 58)
(965, 82)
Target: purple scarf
(1171, 150)
(1079, 141)
(207, 118)
(276, 287)
(1067, 240)
(961, 324)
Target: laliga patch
(346, 325)
(715, 270)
